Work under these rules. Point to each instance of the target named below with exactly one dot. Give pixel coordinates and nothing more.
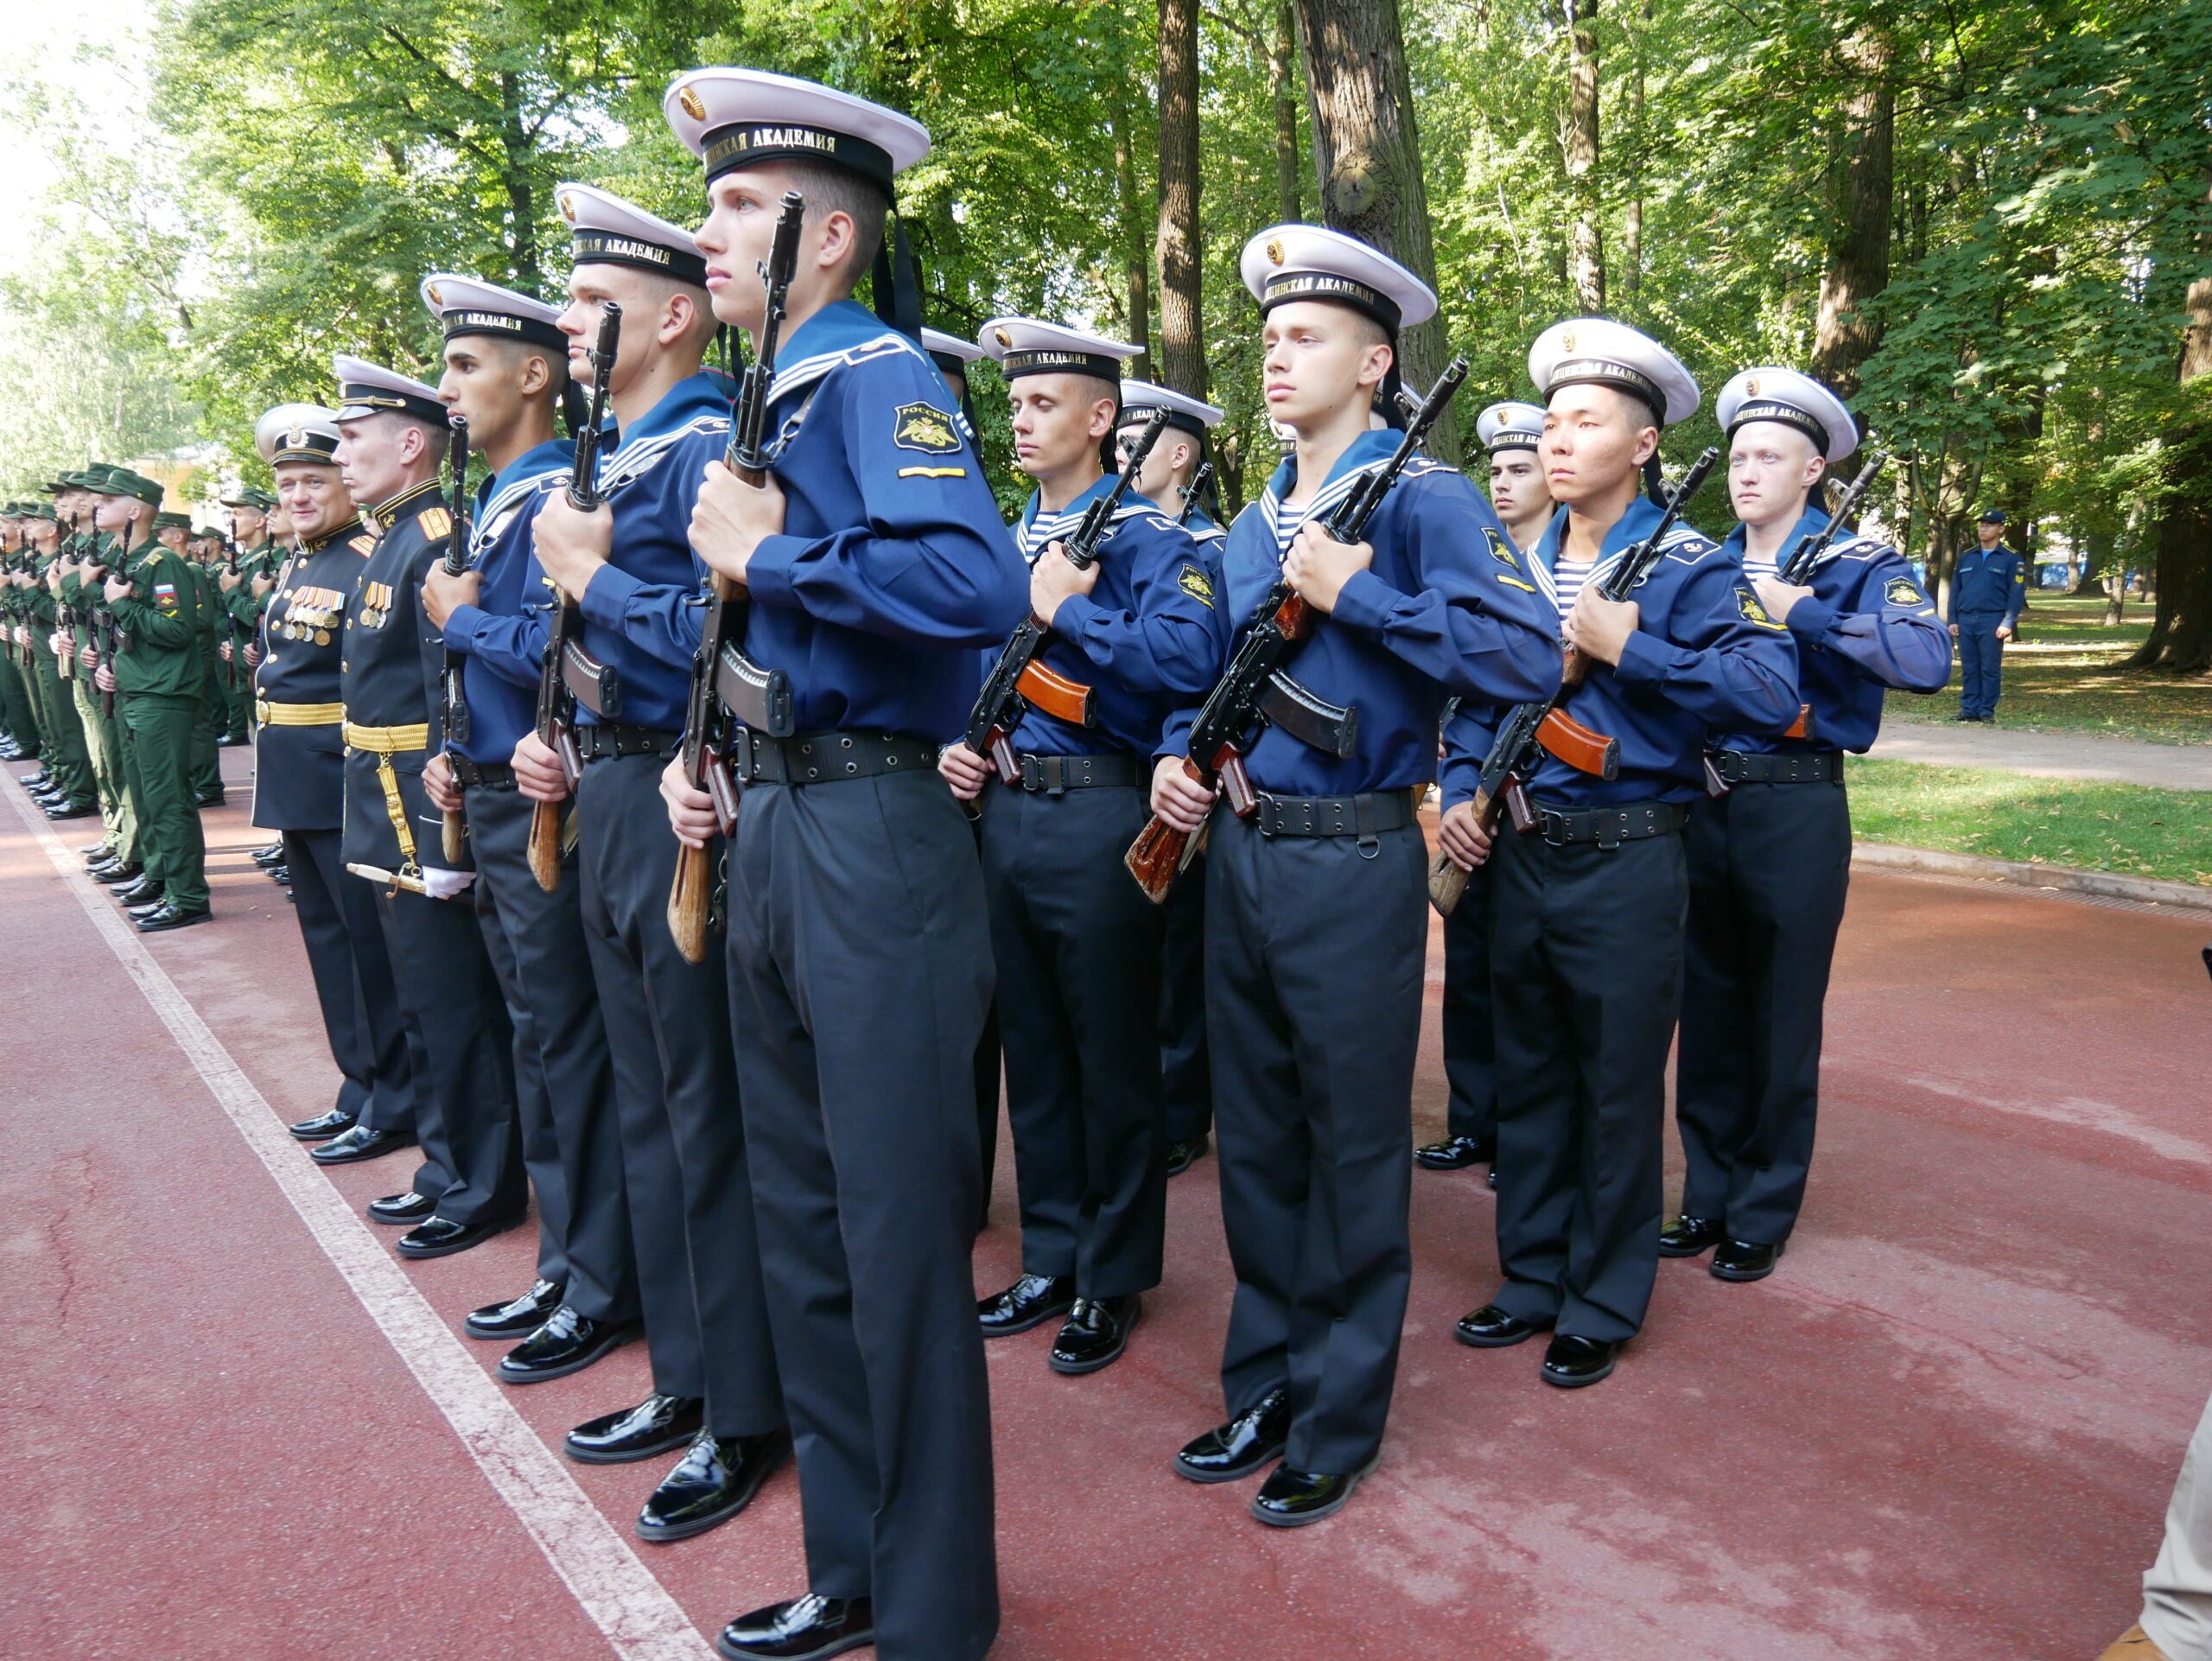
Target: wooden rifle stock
(545, 844)
(691, 903)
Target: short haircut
(832, 190)
(435, 436)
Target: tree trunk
(2181, 628)
(1367, 157)
(1136, 262)
(1182, 322)
(1632, 221)
(522, 194)
(1585, 259)
(1283, 65)
(1858, 249)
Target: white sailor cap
(1772, 393)
(733, 118)
(1024, 346)
(948, 352)
(298, 432)
(1511, 426)
(1596, 351)
(1310, 262)
(1139, 398)
(464, 306)
(604, 230)
(367, 389)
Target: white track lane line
(642, 1622)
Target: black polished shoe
(1289, 1499)
(1097, 1332)
(1456, 1153)
(272, 854)
(716, 1480)
(323, 1126)
(113, 871)
(216, 800)
(654, 1426)
(140, 891)
(72, 811)
(1489, 1177)
(1745, 1260)
(1688, 1236)
(139, 914)
(441, 1237)
(1240, 1448)
(402, 1209)
(1030, 1302)
(802, 1629)
(38, 781)
(170, 917)
(360, 1142)
(1181, 1155)
(567, 1343)
(517, 1317)
(103, 848)
(1490, 1328)
(1572, 1362)
(282, 876)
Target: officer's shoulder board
(364, 544)
(435, 522)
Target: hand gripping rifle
(1019, 680)
(1543, 725)
(726, 684)
(1797, 569)
(556, 698)
(1256, 693)
(1195, 492)
(453, 708)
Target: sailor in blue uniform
(1769, 859)
(1316, 906)
(300, 792)
(1509, 434)
(629, 565)
(1587, 906)
(506, 372)
(859, 945)
(1077, 946)
(1169, 477)
(1989, 590)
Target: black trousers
(464, 1047)
(573, 1151)
(1768, 868)
(1077, 947)
(860, 969)
(1586, 974)
(667, 1024)
(351, 971)
(1186, 1075)
(1315, 963)
(1470, 1026)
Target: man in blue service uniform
(877, 569)
(1509, 434)
(1316, 906)
(1989, 590)
(506, 372)
(1587, 906)
(392, 440)
(1769, 861)
(1077, 946)
(300, 792)
(629, 567)
(1185, 1076)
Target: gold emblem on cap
(1566, 340)
(567, 207)
(1003, 338)
(691, 103)
(1752, 387)
(437, 299)
(296, 439)
(1274, 251)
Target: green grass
(2060, 677)
(2130, 829)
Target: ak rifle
(1256, 692)
(453, 708)
(1543, 725)
(1194, 492)
(1797, 571)
(564, 655)
(1019, 680)
(727, 686)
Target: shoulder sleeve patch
(1196, 584)
(1499, 550)
(922, 426)
(436, 522)
(1902, 591)
(1748, 607)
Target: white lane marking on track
(642, 1622)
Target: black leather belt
(1366, 816)
(825, 757)
(1054, 774)
(1794, 768)
(481, 775)
(608, 738)
(1609, 827)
